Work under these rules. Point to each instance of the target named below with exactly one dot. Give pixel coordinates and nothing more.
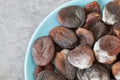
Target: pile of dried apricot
(86, 46)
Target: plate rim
(38, 27)
(36, 30)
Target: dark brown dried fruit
(38, 69)
(65, 62)
(43, 51)
(65, 68)
(91, 19)
(98, 29)
(71, 17)
(116, 29)
(96, 72)
(92, 7)
(63, 37)
(81, 57)
(116, 70)
(85, 36)
(107, 48)
(110, 44)
(49, 75)
(111, 13)
(109, 68)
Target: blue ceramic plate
(43, 29)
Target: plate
(43, 29)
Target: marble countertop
(18, 21)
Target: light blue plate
(43, 29)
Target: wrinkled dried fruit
(49, 75)
(96, 72)
(85, 36)
(71, 17)
(116, 29)
(107, 48)
(92, 7)
(38, 69)
(116, 70)
(91, 19)
(108, 67)
(65, 68)
(81, 57)
(111, 13)
(63, 37)
(98, 29)
(82, 34)
(43, 51)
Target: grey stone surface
(18, 21)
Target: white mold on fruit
(65, 51)
(102, 55)
(81, 61)
(117, 76)
(108, 18)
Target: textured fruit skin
(116, 29)
(91, 19)
(49, 75)
(92, 7)
(72, 20)
(111, 12)
(81, 57)
(71, 17)
(109, 68)
(38, 69)
(114, 8)
(62, 64)
(43, 51)
(106, 49)
(98, 29)
(64, 37)
(111, 44)
(85, 36)
(96, 72)
(116, 70)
